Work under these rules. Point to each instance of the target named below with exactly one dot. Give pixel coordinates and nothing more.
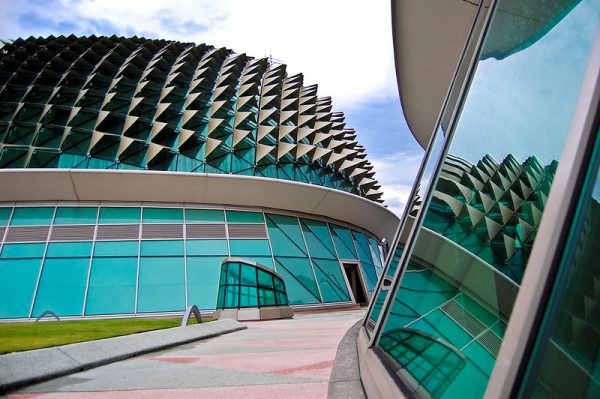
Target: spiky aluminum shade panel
(132, 103)
(492, 209)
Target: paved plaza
(281, 358)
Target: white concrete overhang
(429, 38)
(198, 188)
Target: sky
(344, 46)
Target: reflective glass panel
(5, 216)
(247, 248)
(331, 280)
(244, 217)
(17, 283)
(318, 239)
(204, 216)
(62, 286)
(468, 259)
(202, 280)
(13, 251)
(75, 215)
(32, 216)
(112, 286)
(161, 248)
(206, 247)
(70, 249)
(116, 248)
(161, 284)
(162, 215)
(566, 358)
(343, 242)
(119, 215)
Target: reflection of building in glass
(492, 210)
(131, 168)
(493, 289)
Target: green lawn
(16, 337)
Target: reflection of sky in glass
(520, 104)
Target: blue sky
(344, 46)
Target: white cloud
(344, 46)
(396, 172)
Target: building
(493, 288)
(131, 168)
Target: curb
(345, 382)
(25, 368)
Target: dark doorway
(352, 273)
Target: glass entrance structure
(491, 291)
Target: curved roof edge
(429, 37)
(235, 190)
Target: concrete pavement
(279, 358)
(24, 368)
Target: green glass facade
(443, 310)
(91, 260)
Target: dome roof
(134, 103)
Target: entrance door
(356, 284)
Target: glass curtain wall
(462, 269)
(102, 260)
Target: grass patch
(15, 337)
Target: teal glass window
(69, 249)
(160, 286)
(318, 239)
(17, 283)
(112, 286)
(26, 251)
(62, 286)
(246, 284)
(116, 248)
(331, 280)
(75, 215)
(203, 280)
(32, 216)
(5, 216)
(204, 216)
(248, 248)
(286, 237)
(119, 215)
(161, 248)
(343, 242)
(163, 215)
(300, 282)
(206, 247)
(244, 217)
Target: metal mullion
(37, 282)
(139, 258)
(185, 279)
(341, 266)
(310, 261)
(89, 273)
(227, 232)
(413, 234)
(269, 240)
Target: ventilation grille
(72, 233)
(27, 234)
(205, 231)
(474, 327)
(150, 231)
(2, 231)
(118, 232)
(490, 341)
(247, 231)
(465, 319)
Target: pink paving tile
(308, 363)
(291, 391)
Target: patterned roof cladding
(133, 103)
(491, 209)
